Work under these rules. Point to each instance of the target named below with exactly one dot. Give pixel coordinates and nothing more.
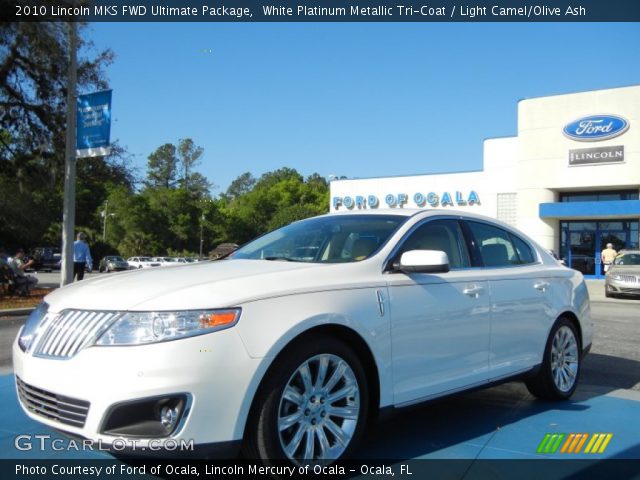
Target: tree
(278, 197)
(241, 185)
(162, 167)
(33, 59)
(189, 156)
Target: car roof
(424, 212)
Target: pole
(104, 220)
(201, 237)
(69, 204)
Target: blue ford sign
(596, 127)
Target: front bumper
(214, 370)
(621, 287)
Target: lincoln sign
(590, 156)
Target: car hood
(219, 284)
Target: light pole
(201, 236)
(69, 200)
(104, 220)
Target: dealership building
(570, 178)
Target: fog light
(169, 417)
(154, 417)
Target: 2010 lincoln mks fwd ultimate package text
(288, 348)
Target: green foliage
(33, 67)
(162, 167)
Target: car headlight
(615, 277)
(30, 330)
(139, 328)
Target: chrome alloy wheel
(319, 409)
(564, 359)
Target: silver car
(623, 277)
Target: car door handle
(473, 291)
(542, 286)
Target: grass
(14, 301)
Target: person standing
(81, 256)
(607, 256)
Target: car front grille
(66, 410)
(71, 331)
(628, 278)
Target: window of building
(508, 208)
(605, 196)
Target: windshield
(627, 259)
(329, 239)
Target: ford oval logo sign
(596, 127)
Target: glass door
(617, 239)
(578, 246)
(581, 243)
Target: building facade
(570, 179)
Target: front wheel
(560, 370)
(312, 407)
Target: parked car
(141, 262)
(623, 276)
(45, 259)
(113, 263)
(166, 261)
(392, 308)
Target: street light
(201, 236)
(104, 220)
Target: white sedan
(289, 347)
(166, 261)
(141, 262)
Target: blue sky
(360, 100)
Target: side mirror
(424, 261)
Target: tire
(299, 427)
(558, 381)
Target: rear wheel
(313, 406)
(560, 370)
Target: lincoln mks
(289, 347)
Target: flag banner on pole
(94, 124)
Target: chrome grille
(67, 410)
(71, 331)
(628, 278)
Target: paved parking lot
(503, 422)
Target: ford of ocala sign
(596, 127)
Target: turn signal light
(219, 318)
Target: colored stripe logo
(574, 443)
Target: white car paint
(141, 262)
(429, 334)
